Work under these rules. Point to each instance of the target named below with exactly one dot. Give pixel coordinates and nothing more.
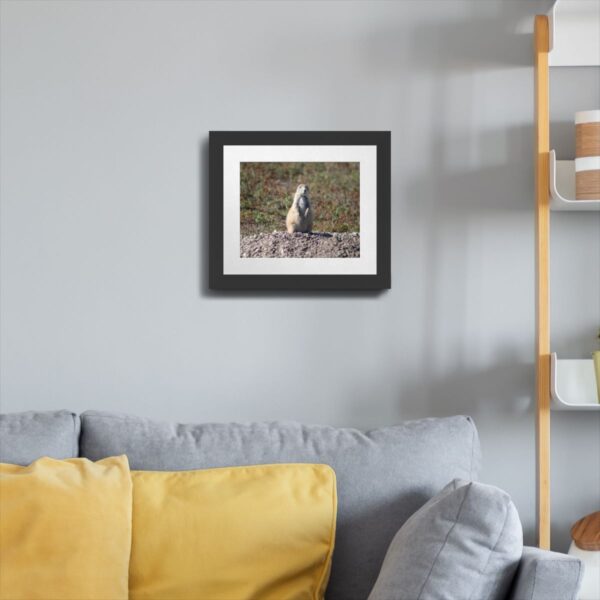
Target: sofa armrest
(544, 575)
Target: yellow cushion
(65, 529)
(261, 533)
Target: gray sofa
(383, 476)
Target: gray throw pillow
(27, 436)
(464, 544)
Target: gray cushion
(464, 544)
(383, 476)
(545, 575)
(27, 436)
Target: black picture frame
(380, 280)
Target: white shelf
(562, 187)
(574, 33)
(573, 384)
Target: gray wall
(105, 113)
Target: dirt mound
(280, 244)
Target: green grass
(267, 191)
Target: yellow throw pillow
(65, 529)
(240, 533)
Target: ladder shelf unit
(567, 36)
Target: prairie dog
(300, 215)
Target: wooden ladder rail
(542, 243)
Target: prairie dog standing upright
(300, 215)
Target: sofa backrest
(27, 436)
(383, 476)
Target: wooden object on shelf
(587, 183)
(587, 154)
(542, 176)
(586, 532)
(587, 139)
(587, 133)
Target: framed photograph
(299, 210)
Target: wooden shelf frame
(542, 244)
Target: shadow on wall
(471, 392)
(449, 200)
(450, 206)
(503, 390)
(493, 35)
